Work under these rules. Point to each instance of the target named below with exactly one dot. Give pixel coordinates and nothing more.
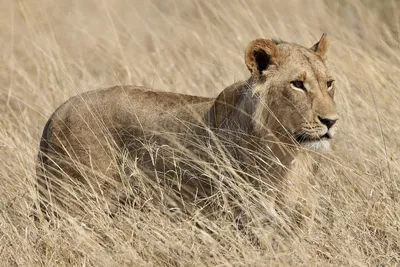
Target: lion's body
(87, 137)
(88, 119)
(84, 136)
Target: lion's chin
(323, 145)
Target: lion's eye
(298, 85)
(329, 84)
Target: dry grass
(52, 50)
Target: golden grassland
(52, 50)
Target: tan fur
(259, 48)
(321, 48)
(260, 122)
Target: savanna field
(52, 50)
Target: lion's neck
(256, 145)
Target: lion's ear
(260, 54)
(223, 105)
(321, 48)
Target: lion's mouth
(308, 138)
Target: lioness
(254, 126)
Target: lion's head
(295, 88)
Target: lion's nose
(327, 122)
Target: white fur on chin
(317, 145)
